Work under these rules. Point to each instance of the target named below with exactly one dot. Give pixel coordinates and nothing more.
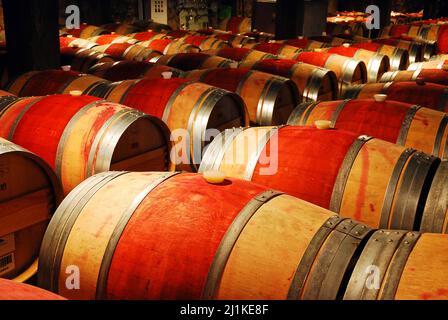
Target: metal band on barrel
(409, 117)
(230, 239)
(344, 172)
(118, 231)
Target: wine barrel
(112, 38)
(126, 51)
(39, 83)
(86, 31)
(414, 49)
(169, 46)
(126, 69)
(237, 24)
(435, 215)
(79, 136)
(429, 95)
(235, 40)
(82, 59)
(10, 290)
(176, 34)
(192, 61)
(405, 266)
(205, 42)
(433, 64)
(29, 194)
(72, 42)
(306, 43)
(439, 34)
(269, 99)
(401, 123)
(121, 28)
(399, 58)
(314, 83)
(241, 54)
(189, 109)
(348, 71)
(377, 64)
(147, 35)
(237, 235)
(438, 76)
(278, 49)
(368, 180)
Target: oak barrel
(399, 58)
(127, 51)
(377, 64)
(241, 54)
(237, 235)
(39, 83)
(269, 99)
(126, 69)
(192, 61)
(369, 180)
(438, 76)
(189, 109)
(10, 290)
(79, 136)
(397, 122)
(237, 24)
(348, 70)
(429, 95)
(29, 194)
(278, 49)
(82, 59)
(314, 83)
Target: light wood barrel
(348, 71)
(438, 76)
(147, 35)
(435, 216)
(189, 109)
(314, 83)
(10, 290)
(193, 61)
(399, 265)
(234, 39)
(429, 95)
(126, 69)
(80, 136)
(237, 24)
(73, 42)
(433, 64)
(278, 49)
(236, 237)
(82, 59)
(39, 83)
(415, 49)
(205, 42)
(126, 51)
(368, 180)
(29, 195)
(241, 54)
(377, 64)
(169, 46)
(399, 58)
(404, 124)
(269, 99)
(112, 38)
(86, 31)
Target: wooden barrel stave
(10, 290)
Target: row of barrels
(411, 127)
(96, 230)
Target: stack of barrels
(248, 168)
